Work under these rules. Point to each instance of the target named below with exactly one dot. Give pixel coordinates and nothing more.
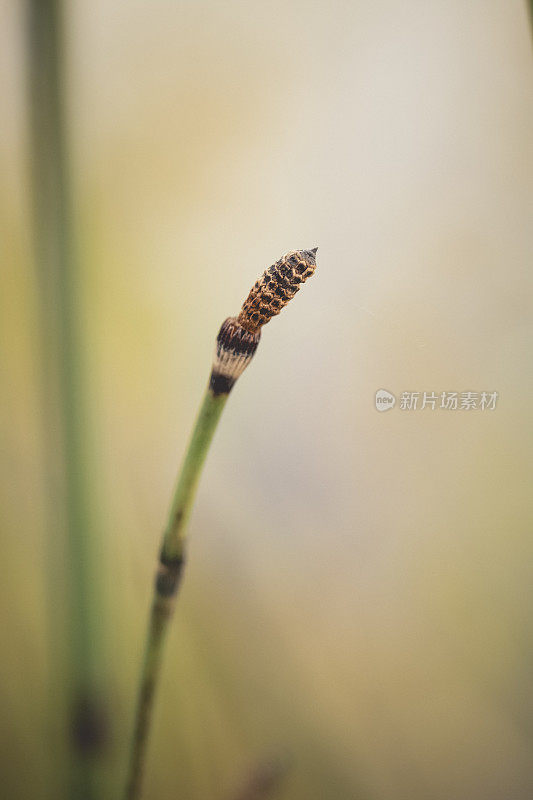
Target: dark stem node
(89, 723)
(168, 575)
(220, 384)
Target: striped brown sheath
(239, 336)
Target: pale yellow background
(359, 585)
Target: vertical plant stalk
(73, 653)
(236, 344)
(530, 13)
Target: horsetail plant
(75, 606)
(236, 344)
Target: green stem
(76, 662)
(184, 494)
(167, 580)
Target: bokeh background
(358, 594)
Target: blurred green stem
(76, 662)
(530, 14)
(167, 581)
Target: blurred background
(358, 594)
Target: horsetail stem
(75, 606)
(236, 344)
